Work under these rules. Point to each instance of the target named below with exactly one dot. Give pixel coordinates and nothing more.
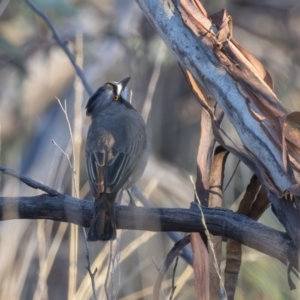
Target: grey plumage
(117, 151)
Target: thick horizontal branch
(219, 221)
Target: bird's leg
(131, 201)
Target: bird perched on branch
(117, 150)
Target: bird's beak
(122, 84)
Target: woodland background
(118, 41)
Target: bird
(117, 150)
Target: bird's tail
(103, 225)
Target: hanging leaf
(224, 23)
(260, 205)
(216, 200)
(259, 67)
(200, 266)
(253, 204)
(234, 249)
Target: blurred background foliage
(118, 41)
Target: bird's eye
(116, 98)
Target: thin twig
(108, 270)
(64, 153)
(173, 278)
(159, 268)
(172, 292)
(173, 253)
(74, 230)
(232, 175)
(92, 275)
(117, 258)
(119, 274)
(62, 44)
(156, 265)
(42, 281)
(112, 271)
(153, 81)
(209, 239)
(64, 109)
(30, 182)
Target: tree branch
(191, 36)
(221, 222)
(243, 89)
(30, 182)
(62, 44)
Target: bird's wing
(110, 166)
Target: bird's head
(106, 94)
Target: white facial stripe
(119, 89)
(124, 94)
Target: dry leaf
(200, 266)
(261, 70)
(253, 204)
(224, 23)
